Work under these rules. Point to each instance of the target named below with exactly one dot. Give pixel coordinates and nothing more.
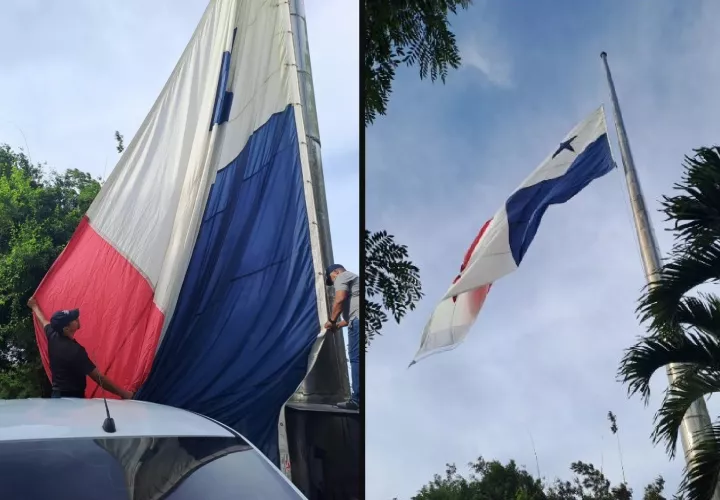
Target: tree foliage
(120, 142)
(414, 33)
(411, 32)
(392, 277)
(684, 326)
(588, 483)
(493, 480)
(487, 480)
(38, 214)
(614, 429)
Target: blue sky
(541, 359)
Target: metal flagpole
(697, 416)
(327, 382)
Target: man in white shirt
(347, 305)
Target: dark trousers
(354, 358)
(67, 394)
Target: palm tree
(685, 328)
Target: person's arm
(341, 293)
(32, 304)
(108, 384)
(84, 363)
(337, 307)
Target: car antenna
(109, 424)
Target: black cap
(331, 269)
(61, 319)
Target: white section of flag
(151, 206)
(262, 75)
(450, 323)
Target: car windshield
(168, 468)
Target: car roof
(32, 419)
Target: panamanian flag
(580, 157)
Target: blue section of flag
(238, 343)
(221, 109)
(526, 207)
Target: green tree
(392, 277)
(487, 481)
(411, 32)
(38, 215)
(120, 144)
(588, 484)
(493, 480)
(654, 490)
(614, 429)
(683, 325)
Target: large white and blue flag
(581, 157)
(199, 267)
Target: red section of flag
(469, 253)
(119, 323)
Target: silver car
(58, 449)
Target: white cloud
(485, 49)
(489, 59)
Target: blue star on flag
(565, 145)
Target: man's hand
(106, 384)
(32, 304)
(340, 296)
(335, 326)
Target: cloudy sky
(73, 72)
(542, 358)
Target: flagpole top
(603, 54)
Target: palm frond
(702, 472)
(691, 385)
(685, 330)
(696, 212)
(660, 304)
(701, 313)
(644, 358)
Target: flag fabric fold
(581, 157)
